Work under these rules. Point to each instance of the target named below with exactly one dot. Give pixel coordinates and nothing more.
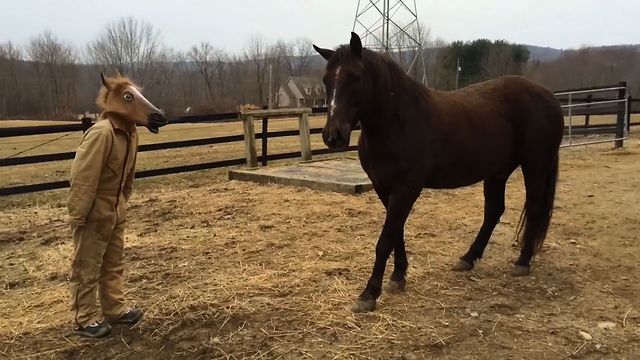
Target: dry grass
(234, 270)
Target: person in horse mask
(101, 185)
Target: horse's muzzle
(335, 139)
(156, 121)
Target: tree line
(51, 78)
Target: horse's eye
(128, 96)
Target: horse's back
(510, 102)
(485, 128)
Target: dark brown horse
(414, 138)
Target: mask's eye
(128, 96)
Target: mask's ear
(105, 82)
(356, 45)
(325, 53)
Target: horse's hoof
(462, 266)
(396, 286)
(520, 270)
(361, 306)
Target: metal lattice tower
(392, 26)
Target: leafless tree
(277, 66)
(295, 55)
(53, 61)
(162, 75)
(211, 63)
(432, 52)
(11, 96)
(186, 83)
(589, 67)
(405, 41)
(241, 82)
(499, 61)
(129, 44)
(255, 53)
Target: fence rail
(594, 106)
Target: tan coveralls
(101, 183)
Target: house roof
(302, 83)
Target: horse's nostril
(158, 117)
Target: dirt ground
(236, 270)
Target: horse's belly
(464, 168)
(452, 182)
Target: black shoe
(129, 318)
(96, 330)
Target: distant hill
(543, 54)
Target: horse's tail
(539, 226)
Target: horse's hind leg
(533, 216)
(540, 184)
(533, 221)
(493, 208)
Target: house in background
(302, 92)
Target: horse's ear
(105, 83)
(356, 45)
(118, 73)
(325, 53)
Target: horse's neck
(388, 109)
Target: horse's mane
(383, 65)
(117, 84)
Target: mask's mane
(117, 86)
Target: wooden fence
(263, 136)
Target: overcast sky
(228, 24)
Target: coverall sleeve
(128, 185)
(91, 156)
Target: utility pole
(270, 87)
(458, 69)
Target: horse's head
(344, 84)
(120, 98)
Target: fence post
(629, 108)
(620, 126)
(305, 141)
(587, 116)
(570, 121)
(250, 141)
(86, 124)
(265, 137)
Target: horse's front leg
(398, 208)
(397, 281)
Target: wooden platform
(344, 175)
